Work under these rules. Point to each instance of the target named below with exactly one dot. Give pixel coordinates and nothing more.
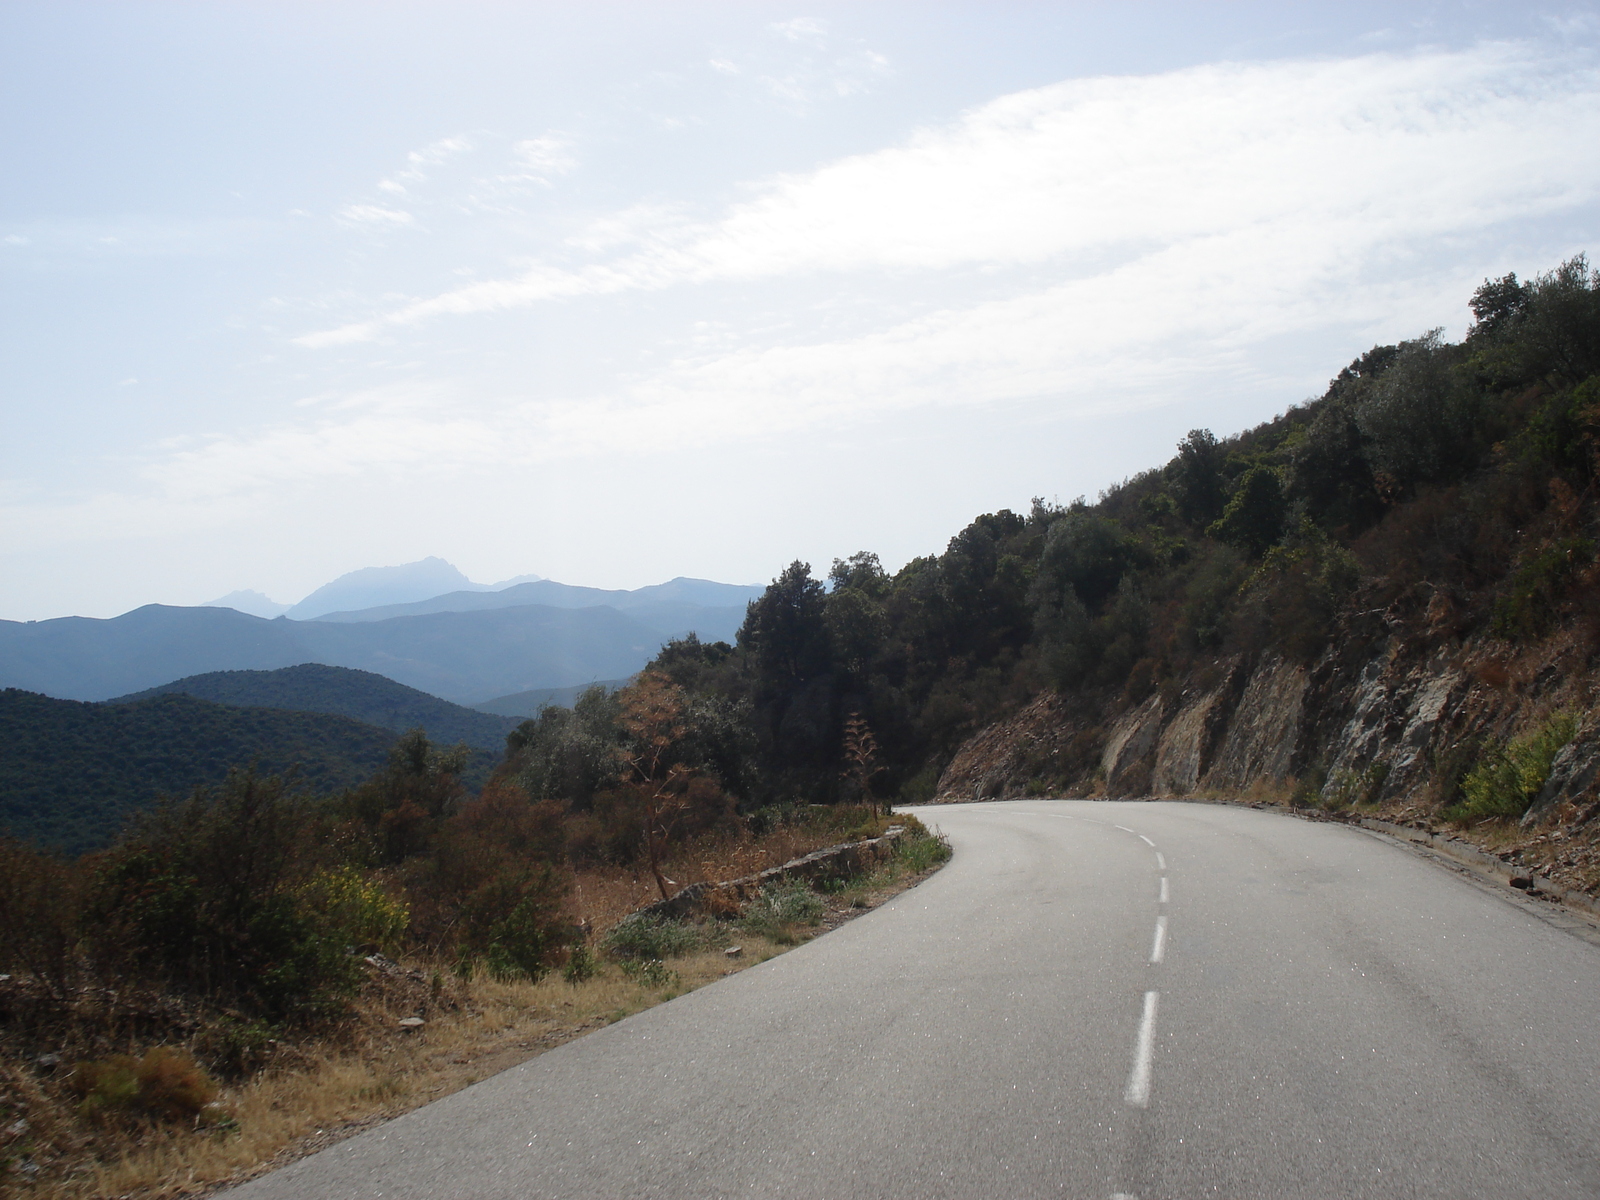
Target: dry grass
(369, 1069)
(382, 1071)
(602, 896)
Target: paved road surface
(1092, 1000)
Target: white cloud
(1109, 243)
(375, 215)
(1118, 340)
(450, 176)
(803, 29)
(419, 163)
(548, 155)
(1380, 151)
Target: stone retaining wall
(843, 861)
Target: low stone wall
(843, 861)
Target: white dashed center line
(1137, 1092)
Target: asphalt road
(1091, 1000)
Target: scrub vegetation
(253, 946)
(229, 974)
(1446, 488)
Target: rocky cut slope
(1387, 599)
(1391, 720)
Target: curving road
(1091, 1000)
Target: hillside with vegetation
(73, 772)
(1383, 597)
(248, 963)
(344, 692)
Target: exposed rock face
(1189, 744)
(1573, 775)
(1397, 709)
(1372, 718)
(1262, 734)
(1130, 747)
(1002, 759)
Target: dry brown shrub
(165, 1084)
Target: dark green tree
(1197, 478)
(1422, 417)
(862, 572)
(1329, 471)
(785, 631)
(1254, 517)
(1545, 330)
(1085, 554)
(568, 754)
(858, 625)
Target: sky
(614, 292)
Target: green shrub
(1509, 777)
(920, 849)
(41, 912)
(236, 1048)
(523, 943)
(651, 973)
(1532, 605)
(922, 786)
(779, 909)
(581, 965)
(1308, 788)
(1356, 787)
(510, 918)
(202, 896)
(645, 937)
(353, 907)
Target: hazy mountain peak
(373, 586)
(248, 601)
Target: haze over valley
(470, 644)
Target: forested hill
(72, 771)
(1436, 505)
(345, 692)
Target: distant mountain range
(201, 689)
(255, 603)
(365, 588)
(341, 691)
(570, 637)
(662, 605)
(372, 586)
(72, 772)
